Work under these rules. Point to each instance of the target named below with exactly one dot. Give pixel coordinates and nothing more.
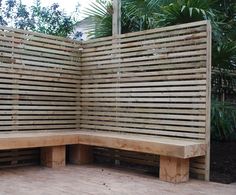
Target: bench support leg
(174, 170)
(80, 154)
(53, 157)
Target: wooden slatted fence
(39, 79)
(153, 82)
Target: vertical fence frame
(208, 101)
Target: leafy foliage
(147, 14)
(184, 11)
(141, 13)
(227, 16)
(223, 120)
(136, 15)
(50, 20)
(224, 77)
(100, 13)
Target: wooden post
(80, 154)
(116, 17)
(174, 170)
(208, 102)
(53, 157)
(116, 30)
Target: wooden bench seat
(174, 153)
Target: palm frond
(184, 11)
(100, 15)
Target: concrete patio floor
(99, 180)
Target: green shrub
(223, 121)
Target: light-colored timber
(145, 91)
(53, 157)
(175, 147)
(174, 170)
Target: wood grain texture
(146, 70)
(208, 102)
(53, 157)
(39, 81)
(175, 147)
(174, 170)
(116, 17)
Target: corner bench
(155, 82)
(174, 153)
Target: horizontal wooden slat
(16, 112)
(97, 109)
(146, 115)
(145, 105)
(37, 107)
(165, 127)
(145, 94)
(145, 89)
(18, 86)
(143, 120)
(144, 84)
(38, 127)
(38, 103)
(138, 99)
(45, 117)
(46, 93)
(49, 83)
(36, 122)
(142, 131)
(36, 77)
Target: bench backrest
(152, 82)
